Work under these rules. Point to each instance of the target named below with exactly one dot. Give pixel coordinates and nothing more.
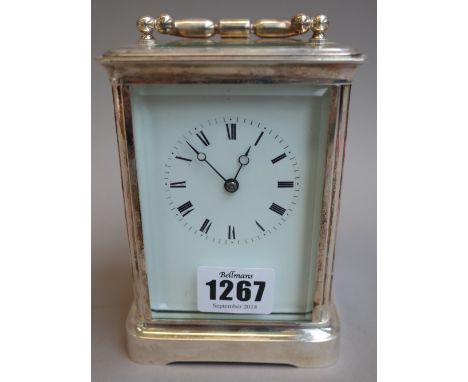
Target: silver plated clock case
(231, 153)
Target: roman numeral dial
(182, 158)
(201, 135)
(205, 227)
(231, 129)
(185, 208)
(278, 209)
(231, 233)
(259, 226)
(258, 139)
(231, 180)
(286, 184)
(278, 158)
(182, 184)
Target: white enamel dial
(232, 180)
(189, 219)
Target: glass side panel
(190, 220)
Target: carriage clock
(231, 153)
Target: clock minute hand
(193, 148)
(243, 161)
(209, 164)
(202, 158)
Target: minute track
(235, 154)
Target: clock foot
(304, 344)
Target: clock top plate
(262, 50)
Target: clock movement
(231, 154)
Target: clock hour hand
(243, 161)
(202, 158)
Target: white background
(354, 290)
(45, 159)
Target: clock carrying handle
(232, 28)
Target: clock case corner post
(331, 196)
(124, 129)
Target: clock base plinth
(301, 344)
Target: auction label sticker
(235, 290)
